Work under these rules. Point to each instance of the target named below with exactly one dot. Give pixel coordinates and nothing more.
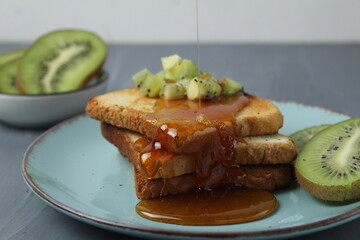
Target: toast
(262, 177)
(265, 149)
(128, 109)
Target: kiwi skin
(326, 188)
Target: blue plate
(76, 171)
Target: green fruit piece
(9, 56)
(185, 83)
(171, 91)
(61, 61)
(185, 70)
(140, 76)
(204, 88)
(151, 86)
(301, 137)
(229, 86)
(170, 61)
(166, 74)
(161, 74)
(328, 167)
(8, 77)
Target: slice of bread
(265, 149)
(263, 177)
(128, 109)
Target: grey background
(323, 75)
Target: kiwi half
(11, 55)
(8, 77)
(301, 137)
(328, 167)
(61, 61)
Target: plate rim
(300, 229)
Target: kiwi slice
(328, 167)
(61, 61)
(301, 137)
(11, 55)
(8, 77)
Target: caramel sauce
(220, 109)
(180, 118)
(153, 155)
(207, 208)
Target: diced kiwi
(185, 83)
(229, 86)
(328, 166)
(151, 86)
(197, 85)
(170, 61)
(203, 87)
(185, 70)
(301, 137)
(172, 91)
(61, 61)
(11, 55)
(8, 77)
(140, 76)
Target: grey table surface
(323, 75)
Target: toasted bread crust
(263, 177)
(128, 109)
(249, 151)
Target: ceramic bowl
(44, 110)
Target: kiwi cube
(203, 88)
(230, 86)
(140, 76)
(151, 86)
(170, 61)
(171, 91)
(186, 69)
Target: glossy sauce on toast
(184, 117)
(209, 206)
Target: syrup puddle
(209, 208)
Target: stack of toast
(171, 155)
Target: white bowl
(47, 109)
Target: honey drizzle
(198, 46)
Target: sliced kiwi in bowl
(8, 77)
(10, 56)
(61, 61)
(328, 166)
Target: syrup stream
(198, 44)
